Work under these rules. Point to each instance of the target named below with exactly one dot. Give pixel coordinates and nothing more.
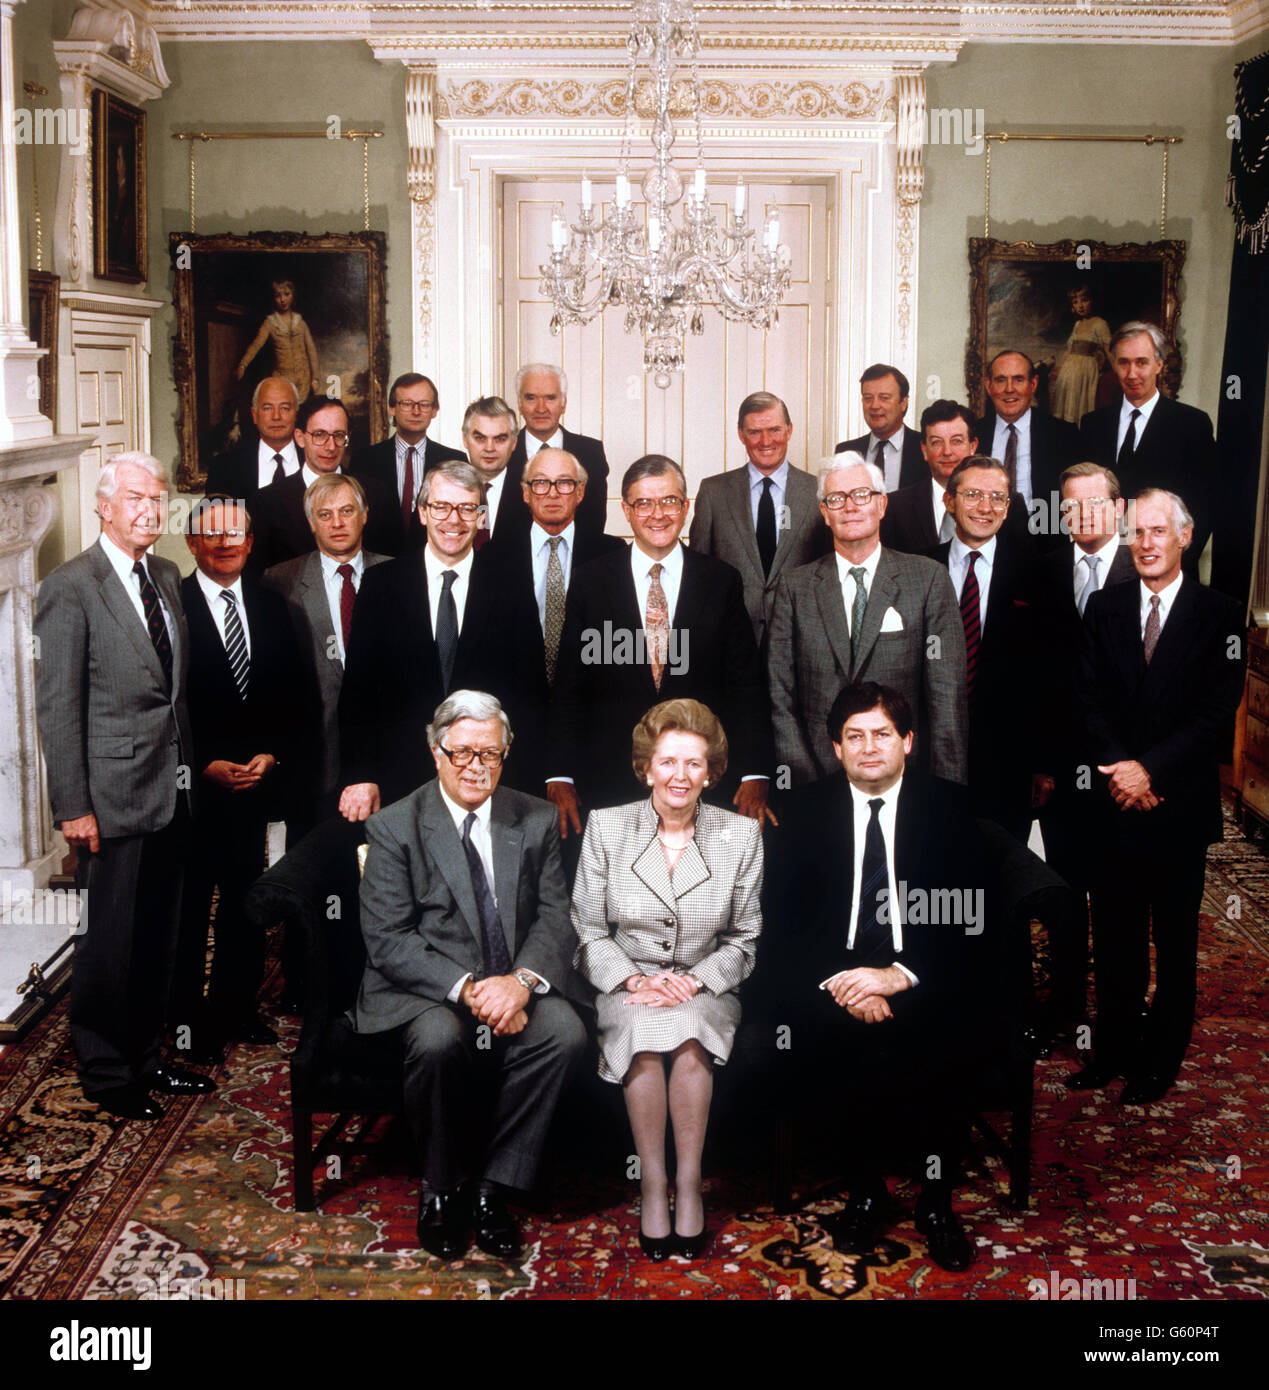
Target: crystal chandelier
(662, 272)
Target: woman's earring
(705, 783)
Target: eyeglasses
(998, 500)
(645, 506)
(233, 537)
(462, 757)
(540, 487)
(403, 404)
(859, 497)
(469, 511)
(320, 437)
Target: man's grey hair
(324, 484)
(757, 403)
(108, 478)
(542, 457)
(467, 704)
(532, 368)
(459, 471)
(1180, 512)
(264, 381)
(490, 407)
(838, 463)
(1130, 330)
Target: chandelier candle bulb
(623, 191)
(773, 234)
(740, 199)
(654, 233)
(586, 196)
(700, 185)
(559, 233)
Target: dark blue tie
(874, 940)
(493, 944)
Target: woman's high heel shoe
(656, 1248)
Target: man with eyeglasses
(865, 613)
(398, 463)
(281, 529)
(253, 726)
(469, 946)
(654, 622)
(428, 624)
(1006, 651)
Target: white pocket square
(891, 621)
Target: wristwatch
(528, 979)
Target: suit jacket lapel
(447, 851)
(120, 605)
(1173, 639)
(650, 868)
(508, 844)
(885, 589)
(738, 500)
(828, 596)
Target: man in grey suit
(469, 946)
(321, 591)
(110, 699)
(761, 519)
(864, 613)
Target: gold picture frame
(119, 192)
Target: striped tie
(972, 623)
(236, 644)
(154, 621)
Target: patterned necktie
(493, 942)
(236, 644)
(879, 461)
(1011, 456)
(766, 527)
(860, 575)
(656, 624)
(1150, 639)
(971, 620)
(1091, 585)
(554, 607)
(408, 488)
(447, 628)
(279, 469)
(1127, 448)
(347, 597)
(874, 940)
(154, 623)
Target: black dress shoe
(657, 1248)
(171, 1080)
(252, 1030)
(858, 1228)
(945, 1238)
(1090, 1078)
(497, 1233)
(1144, 1090)
(128, 1102)
(442, 1228)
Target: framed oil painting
(310, 308)
(42, 289)
(118, 189)
(1060, 303)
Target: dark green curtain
(1242, 403)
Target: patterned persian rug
(199, 1204)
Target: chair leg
(302, 1159)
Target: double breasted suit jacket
(912, 465)
(809, 661)
(378, 462)
(633, 917)
(418, 909)
(592, 515)
(600, 694)
(723, 526)
(300, 583)
(114, 735)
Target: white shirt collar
(436, 568)
(532, 443)
(779, 478)
(1105, 553)
(121, 561)
(212, 591)
(310, 476)
(460, 813)
(330, 566)
(1167, 597)
(538, 538)
(1127, 407)
(959, 553)
(859, 797)
(290, 454)
(641, 562)
(844, 567)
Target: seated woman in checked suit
(666, 910)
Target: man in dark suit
(1149, 440)
(916, 518)
(762, 519)
(469, 946)
(864, 613)
(1161, 677)
(1033, 446)
(110, 695)
(878, 995)
(542, 394)
(651, 623)
(281, 528)
(889, 443)
(252, 728)
(321, 590)
(997, 588)
(397, 464)
(429, 624)
(268, 458)
(489, 436)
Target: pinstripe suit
(705, 919)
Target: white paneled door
(694, 420)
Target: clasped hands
(863, 992)
(1130, 786)
(661, 991)
(240, 777)
(499, 1001)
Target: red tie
(971, 622)
(408, 489)
(347, 597)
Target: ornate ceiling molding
(420, 29)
